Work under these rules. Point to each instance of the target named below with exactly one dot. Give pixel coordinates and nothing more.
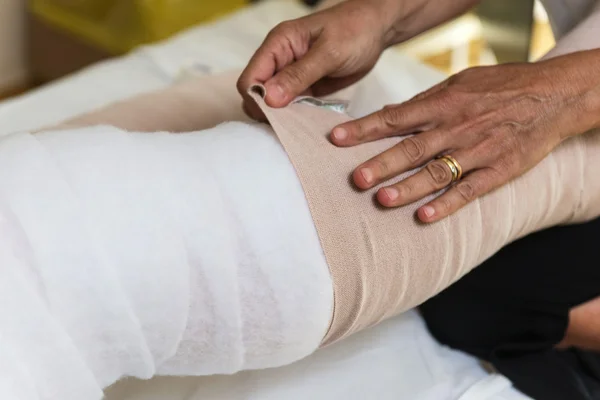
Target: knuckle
(475, 111)
(282, 29)
(360, 131)
(291, 77)
(390, 116)
(331, 53)
(382, 166)
(504, 139)
(457, 78)
(404, 190)
(420, 96)
(439, 173)
(494, 173)
(510, 143)
(504, 167)
(467, 74)
(445, 95)
(466, 190)
(444, 205)
(446, 100)
(414, 148)
(454, 79)
(429, 92)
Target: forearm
(408, 18)
(580, 52)
(575, 83)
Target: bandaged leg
(194, 254)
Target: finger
(436, 176)
(298, 76)
(409, 154)
(390, 121)
(474, 185)
(281, 47)
(261, 67)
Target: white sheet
(395, 360)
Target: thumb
(296, 78)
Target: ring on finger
(453, 165)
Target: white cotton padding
(137, 254)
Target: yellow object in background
(118, 26)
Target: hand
(583, 330)
(497, 122)
(318, 54)
(332, 49)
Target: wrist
(592, 107)
(385, 15)
(576, 80)
(397, 19)
(592, 98)
(408, 18)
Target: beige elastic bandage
(382, 261)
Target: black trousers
(513, 309)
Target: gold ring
(454, 166)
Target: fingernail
(391, 193)
(340, 134)
(367, 175)
(428, 211)
(276, 92)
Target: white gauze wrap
(136, 254)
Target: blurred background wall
(41, 40)
(13, 63)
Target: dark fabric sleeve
(514, 308)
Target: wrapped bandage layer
(382, 261)
(139, 254)
(189, 106)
